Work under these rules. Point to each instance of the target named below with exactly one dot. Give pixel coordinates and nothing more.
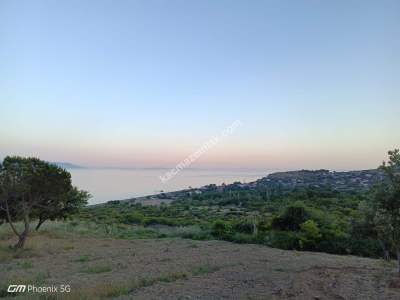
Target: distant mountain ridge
(67, 165)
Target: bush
(291, 218)
(287, 240)
(221, 230)
(157, 220)
(243, 238)
(244, 226)
(310, 235)
(132, 218)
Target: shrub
(244, 226)
(310, 235)
(287, 240)
(132, 218)
(291, 218)
(243, 238)
(221, 229)
(158, 220)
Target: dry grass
(97, 269)
(106, 290)
(100, 268)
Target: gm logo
(13, 288)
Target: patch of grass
(113, 290)
(41, 277)
(97, 269)
(24, 253)
(3, 291)
(6, 253)
(387, 264)
(100, 291)
(53, 234)
(279, 270)
(26, 265)
(9, 268)
(83, 258)
(205, 269)
(5, 236)
(166, 259)
(144, 282)
(68, 247)
(172, 277)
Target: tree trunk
(255, 229)
(9, 220)
(41, 221)
(21, 241)
(386, 255)
(24, 235)
(385, 249)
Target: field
(98, 266)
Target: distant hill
(340, 181)
(67, 165)
(348, 181)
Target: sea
(117, 184)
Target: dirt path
(186, 269)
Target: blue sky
(145, 83)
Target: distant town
(347, 181)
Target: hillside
(347, 181)
(105, 268)
(340, 181)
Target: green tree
(310, 235)
(34, 189)
(61, 206)
(387, 204)
(291, 218)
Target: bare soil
(186, 269)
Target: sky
(314, 84)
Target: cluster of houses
(341, 181)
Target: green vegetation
(26, 265)
(205, 269)
(309, 219)
(112, 290)
(83, 258)
(386, 207)
(306, 218)
(97, 269)
(34, 189)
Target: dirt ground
(186, 269)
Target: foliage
(386, 205)
(221, 229)
(292, 217)
(310, 235)
(34, 189)
(363, 223)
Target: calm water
(114, 184)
